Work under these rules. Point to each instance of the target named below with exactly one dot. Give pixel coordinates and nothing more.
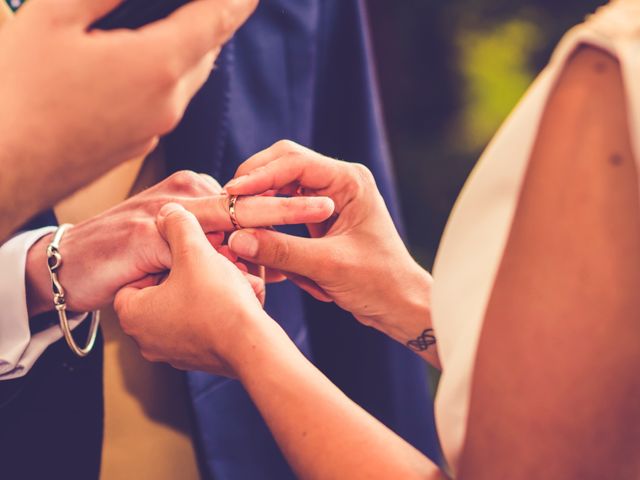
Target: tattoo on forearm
(423, 342)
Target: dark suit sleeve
(51, 420)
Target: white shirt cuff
(18, 349)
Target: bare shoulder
(557, 363)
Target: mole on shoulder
(600, 67)
(616, 159)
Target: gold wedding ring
(233, 199)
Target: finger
(213, 212)
(213, 183)
(256, 270)
(183, 233)
(226, 252)
(311, 287)
(138, 149)
(242, 267)
(91, 10)
(279, 149)
(309, 170)
(215, 239)
(258, 286)
(279, 251)
(148, 281)
(274, 276)
(193, 80)
(197, 28)
(127, 304)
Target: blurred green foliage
(450, 72)
(496, 72)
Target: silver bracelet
(54, 262)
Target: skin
(555, 385)
(123, 246)
(359, 242)
(235, 337)
(99, 98)
(560, 346)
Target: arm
(322, 433)
(14, 319)
(123, 245)
(114, 249)
(100, 98)
(534, 399)
(556, 385)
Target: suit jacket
(302, 70)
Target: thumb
(128, 304)
(279, 251)
(91, 10)
(182, 232)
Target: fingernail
(168, 209)
(235, 182)
(244, 244)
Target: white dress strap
(475, 238)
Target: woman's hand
(76, 101)
(356, 258)
(123, 245)
(205, 316)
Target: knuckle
(289, 203)
(287, 210)
(169, 117)
(142, 228)
(128, 326)
(281, 253)
(221, 207)
(149, 356)
(361, 180)
(286, 147)
(185, 181)
(210, 183)
(168, 73)
(179, 365)
(227, 21)
(295, 208)
(363, 174)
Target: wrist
(37, 280)
(257, 346)
(411, 312)
(413, 318)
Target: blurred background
(450, 72)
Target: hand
(205, 316)
(123, 245)
(356, 258)
(76, 102)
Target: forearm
(322, 433)
(18, 198)
(30, 182)
(409, 318)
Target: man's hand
(356, 258)
(123, 245)
(204, 315)
(76, 102)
